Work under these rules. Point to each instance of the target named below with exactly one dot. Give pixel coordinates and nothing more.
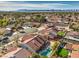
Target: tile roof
(75, 51)
(10, 49)
(23, 53)
(75, 46)
(18, 53)
(10, 54)
(75, 54)
(69, 46)
(27, 37)
(36, 43)
(33, 40)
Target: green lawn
(60, 33)
(63, 53)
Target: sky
(37, 5)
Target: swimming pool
(46, 52)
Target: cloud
(6, 4)
(16, 5)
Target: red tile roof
(23, 53)
(75, 46)
(10, 49)
(35, 43)
(75, 54)
(27, 36)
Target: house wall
(71, 41)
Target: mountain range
(52, 10)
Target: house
(34, 42)
(12, 51)
(8, 33)
(30, 43)
(23, 53)
(53, 18)
(52, 34)
(69, 46)
(72, 37)
(12, 20)
(20, 28)
(44, 32)
(4, 40)
(8, 48)
(61, 26)
(18, 53)
(50, 24)
(30, 30)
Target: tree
(4, 22)
(62, 52)
(61, 33)
(40, 18)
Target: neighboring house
(30, 30)
(30, 43)
(68, 46)
(72, 37)
(8, 33)
(4, 40)
(53, 18)
(12, 20)
(23, 53)
(18, 53)
(62, 26)
(52, 35)
(50, 24)
(20, 28)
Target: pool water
(46, 52)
